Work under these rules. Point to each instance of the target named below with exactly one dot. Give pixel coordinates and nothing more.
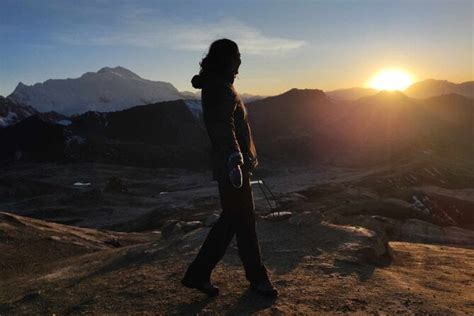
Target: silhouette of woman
(234, 158)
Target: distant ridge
(351, 93)
(431, 88)
(420, 90)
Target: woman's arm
(224, 127)
(225, 135)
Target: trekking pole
(262, 186)
(259, 182)
(271, 193)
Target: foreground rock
(278, 216)
(412, 230)
(420, 231)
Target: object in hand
(235, 171)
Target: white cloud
(250, 40)
(188, 36)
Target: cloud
(189, 36)
(250, 40)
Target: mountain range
(113, 89)
(130, 127)
(109, 89)
(298, 126)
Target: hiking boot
(203, 286)
(265, 288)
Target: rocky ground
(318, 267)
(385, 240)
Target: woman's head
(222, 60)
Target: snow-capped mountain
(109, 89)
(11, 112)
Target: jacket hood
(197, 82)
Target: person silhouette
(234, 159)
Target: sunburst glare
(391, 79)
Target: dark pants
(237, 218)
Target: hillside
(162, 134)
(11, 112)
(308, 125)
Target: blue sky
(284, 44)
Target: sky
(284, 44)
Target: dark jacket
(225, 118)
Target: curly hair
(220, 60)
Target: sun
(391, 79)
